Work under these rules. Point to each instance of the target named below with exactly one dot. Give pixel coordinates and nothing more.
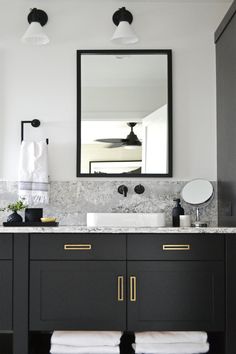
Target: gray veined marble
(70, 201)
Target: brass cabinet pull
(176, 247)
(120, 287)
(133, 288)
(77, 247)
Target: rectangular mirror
(124, 117)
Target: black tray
(25, 224)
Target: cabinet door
(230, 294)
(85, 295)
(5, 295)
(175, 296)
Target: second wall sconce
(124, 34)
(35, 34)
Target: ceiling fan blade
(112, 141)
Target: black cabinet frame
(168, 53)
(130, 271)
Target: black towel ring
(35, 123)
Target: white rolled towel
(86, 338)
(68, 349)
(171, 337)
(171, 348)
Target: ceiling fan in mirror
(130, 142)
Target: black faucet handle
(123, 190)
(139, 189)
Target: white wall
(41, 82)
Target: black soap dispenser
(176, 212)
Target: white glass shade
(124, 34)
(35, 35)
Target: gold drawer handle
(176, 247)
(133, 288)
(77, 247)
(120, 287)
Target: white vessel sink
(126, 219)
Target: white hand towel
(67, 349)
(33, 173)
(171, 348)
(170, 337)
(85, 338)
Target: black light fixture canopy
(37, 15)
(122, 15)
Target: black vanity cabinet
(6, 282)
(176, 282)
(77, 282)
(154, 282)
(127, 282)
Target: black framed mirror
(124, 113)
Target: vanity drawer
(77, 246)
(175, 247)
(6, 246)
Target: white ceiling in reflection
(125, 70)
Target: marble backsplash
(70, 201)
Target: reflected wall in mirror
(124, 113)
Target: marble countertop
(117, 230)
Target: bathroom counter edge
(118, 230)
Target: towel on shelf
(170, 337)
(68, 349)
(85, 338)
(33, 184)
(171, 348)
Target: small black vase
(14, 217)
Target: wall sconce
(35, 33)
(124, 34)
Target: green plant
(17, 206)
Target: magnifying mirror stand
(198, 222)
(198, 193)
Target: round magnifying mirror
(198, 192)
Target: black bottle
(176, 212)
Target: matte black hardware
(139, 189)
(123, 190)
(37, 15)
(35, 123)
(122, 15)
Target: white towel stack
(85, 342)
(171, 343)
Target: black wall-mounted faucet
(123, 190)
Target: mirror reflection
(125, 114)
